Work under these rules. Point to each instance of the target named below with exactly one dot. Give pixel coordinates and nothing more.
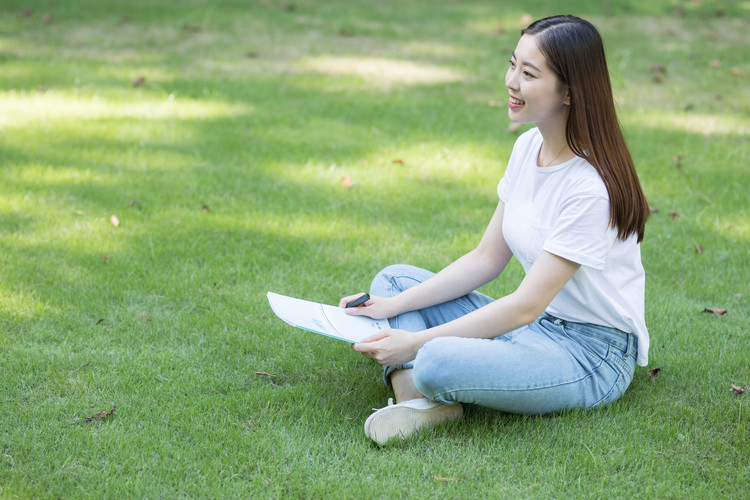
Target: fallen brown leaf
(206, 208)
(653, 210)
(441, 478)
(737, 389)
(400, 161)
(654, 372)
(139, 81)
(698, 249)
(105, 259)
(657, 68)
(347, 182)
(715, 310)
(657, 79)
(114, 220)
(674, 214)
(102, 414)
(513, 128)
(264, 373)
(677, 159)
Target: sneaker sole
(402, 422)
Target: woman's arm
(466, 274)
(545, 279)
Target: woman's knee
(396, 278)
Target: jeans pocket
(624, 368)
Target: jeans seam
(528, 388)
(601, 358)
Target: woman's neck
(555, 149)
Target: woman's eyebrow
(525, 63)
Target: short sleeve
(581, 232)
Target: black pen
(358, 302)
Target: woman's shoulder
(581, 178)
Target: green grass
(224, 169)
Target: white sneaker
(407, 418)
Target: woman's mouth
(514, 102)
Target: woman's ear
(566, 100)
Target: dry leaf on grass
(101, 414)
(513, 128)
(698, 249)
(264, 373)
(206, 208)
(715, 310)
(657, 68)
(654, 372)
(441, 478)
(674, 214)
(139, 81)
(677, 159)
(737, 389)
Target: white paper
(324, 319)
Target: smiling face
(536, 93)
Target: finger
(376, 336)
(345, 300)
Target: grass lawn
(299, 146)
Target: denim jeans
(546, 366)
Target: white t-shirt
(564, 209)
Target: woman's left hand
(391, 347)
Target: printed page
(354, 328)
(324, 319)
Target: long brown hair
(575, 52)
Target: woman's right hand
(375, 308)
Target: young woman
(572, 212)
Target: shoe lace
(390, 403)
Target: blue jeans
(546, 366)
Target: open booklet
(324, 319)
